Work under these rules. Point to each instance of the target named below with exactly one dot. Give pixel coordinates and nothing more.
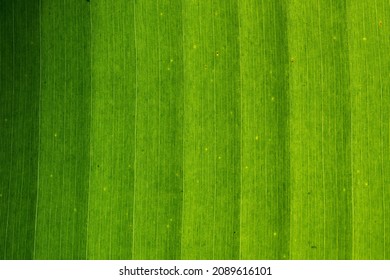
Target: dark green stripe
(19, 95)
(265, 159)
(158, 181)
(64, 131)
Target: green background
(194, 129)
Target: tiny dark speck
(314, 247)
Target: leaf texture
(191, 129)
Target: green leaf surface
(194, 129)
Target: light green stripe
(212, 131)
(320, 131)
(368, 35)
(199, 131)
(110, 207)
